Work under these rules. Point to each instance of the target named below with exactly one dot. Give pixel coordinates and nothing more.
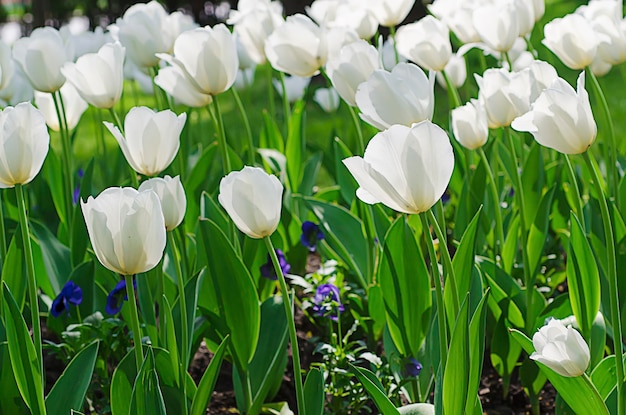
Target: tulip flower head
(172, 80)
(254, 24)
(7, 65)
(561, 118)
(172, 196)
(469, 125)
(126, 229)
(573, 40)
(425, 42)
(150, 140)
(403, 96)
(391, 12)
(253, 200)
(327, 99)
(295, 87)
(24, 143)
(267, 269)
(98, 77)
(497, 24)
(71, 294)
(561, 348)
(405, 168)
(505, 95)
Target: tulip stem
(496, 204)
(447, 262)
(392, 34)
(519, 196)
(183, 316)
(574, 185)
(610, 145)
(66, 154)
(453, 93)
(246, 124)
(221, 135)
(611, 268)
(358, 128)
(270, 90)
(441, 308)
(286, 106)
(134, 317)
(3, 240)
(31, 280)
(293, 338)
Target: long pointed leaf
(207, 383)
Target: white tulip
(390, 12)
(327, 99)
(572, 40)
(253, 23)
(253, 200)
(173, 81)
(98, 77)
(75, 106)
(561, 348)
(497, 24)
(403, 96)
(405, 168)
(425, 42)
(150, 140)
(353, 65)
(295, 87)
(456, 69)
(172, 196)
(7, 65)
(41, 57)
(126, 228)
(24, 143)
(469, 125)
(506, 95)
(561, 118)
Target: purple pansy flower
(327, 302)
(117, 296)
(71, 294)
(311, 233)
(267, 269)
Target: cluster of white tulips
(407, 164)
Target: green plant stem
(453, 93)
(358, 129)
(183, 315)
(246, 124)
(31, 279)
(610, 146)
(293, 339)
(3, 238)
(134, 317)
(447, 261)
(270, 90)
(495, 196)
(286, 106)
(161, 97)
(392, 34)
(574, 185)
(507, 59)
(221, 135)
(441, 308)
(519, 196)
(611, 268)
(66, 155)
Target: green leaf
(207, 383)
(147, 398)
(533, 180)
(375, 390)
(195, 184)
(294, 150)
(538, 233)
(345, 234)
(504, 352)
(53, 174)
(209, 209)
(80, 238)
(314, 392)
(68, 393)
(504, 289)
(476, 349)
(11, 402)
(23, 355)
(509, 250)
(581, 396)
(456, 374)
(347, 184)
(14, 270)
(405, 285)
(583, 278)
(170, 336)
(230, 285)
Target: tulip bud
(208, 58)
(151, 139)
(561, 118)
(572, 39)
(456, 70)
(469, 124)
(403, 96)
(172, 196)
(24, 143)
(561, 348)
(41, 57)
(253, 200)
(126, 228)
(425, 42)
(73, 104)
(98, 77)
(405, 168)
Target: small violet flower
(267, 269)
(327, 302)
(413, 367)
(117, 296)
(76, 195)
(311, 233)
(71, 294)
